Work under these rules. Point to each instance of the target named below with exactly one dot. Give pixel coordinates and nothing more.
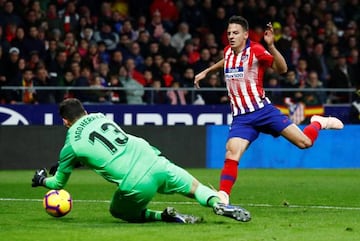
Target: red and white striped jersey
(244, 74)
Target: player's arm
(67, 162)
(218, 65)
(279, 63)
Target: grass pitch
(296, 204)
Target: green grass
(320, 205)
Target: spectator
(106, 35)
(314, 97)
(70, 17)
(133, 72)
(97, 92)
(9, 15)
(53, 19)
(117, 21)
(342, 76)
(144, 42)
(104, 72)
(332, 56)
(87, 33)
(51, 52)
(33, 43)
(291, 82)
(105, 12)
(218, 26)
(214, 96)
(156, 96)
(11, 66)
(116, 62)
(81, 79)
(176, 95)
(92, 57)
(158, 60)
(187, 79)
(25, 96)
(167, 76)
(134, 91)
(167, 50)
(116, 96)
(148, 76)
(192, 54)
(69, 81)
(204, 61)
(57, 72)
(103, 54)
(181, 36)
(316, 62)
(191, 14)
(135, 54)
(301, 73)
(156, 27)
(40, 14)
(168, 11)
(127, 29)
(83, 48)
(43, 96)
(19, 40)
(272, 81)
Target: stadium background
(29, 146)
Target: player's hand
(39, 178)
(269, 34)
(199, 77)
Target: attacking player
(244, 65)
(137, 168)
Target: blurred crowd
(131, 45)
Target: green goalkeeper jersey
(100, 144)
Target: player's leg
(241, 134)
(181, 181)
(131, 205)
(306, 138)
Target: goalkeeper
(137, 168)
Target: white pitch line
(195, 203)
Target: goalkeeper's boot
(232, 211)
(328, 122)
(170, 215)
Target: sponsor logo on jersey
(234, 73)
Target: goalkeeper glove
(39, 178)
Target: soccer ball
(57, 203)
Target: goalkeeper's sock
(312, 130)
(152, 215)
(228, 175)
(204, 194)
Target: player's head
(71, 110)
(237, 32)
(239, 20)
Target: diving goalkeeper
(137, 168)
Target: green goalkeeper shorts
(163, 177)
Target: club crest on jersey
(244, 57)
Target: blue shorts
(267, 120)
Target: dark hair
(71, 109)
(239, 20)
